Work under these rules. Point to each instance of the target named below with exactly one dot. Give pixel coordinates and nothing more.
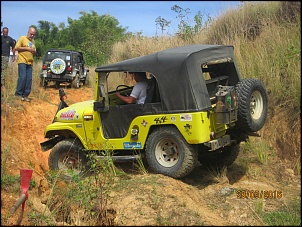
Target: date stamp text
(259, 194)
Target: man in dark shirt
(7, 42)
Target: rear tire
(76, 82)
(168, 153)
(85, 80)
(252, 105)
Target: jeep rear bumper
(218, 143)
(50, 76)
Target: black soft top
(178, 72)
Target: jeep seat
(152, 91)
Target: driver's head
(139, 76)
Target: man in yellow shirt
(26, 49)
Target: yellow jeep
(198, 109)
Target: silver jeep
(63, 66)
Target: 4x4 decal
(161, 120)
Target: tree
(185, 28)
(162, 23)
(92, 34)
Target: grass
(218, 175)
(287, 216)
(89, 194)
(139, 164)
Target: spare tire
(252, 104)
(57, 66)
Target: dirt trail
(201, 197)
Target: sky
(137, 16)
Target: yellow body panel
(195, 128)
(85, 123)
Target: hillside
(202, 198)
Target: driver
(139, 91)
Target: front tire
(67, 157)
(168, 153)
(252, 105)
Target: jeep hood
(75, 112)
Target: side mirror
(98, 106)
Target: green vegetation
(92, 34)
(286, 216)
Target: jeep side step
(122, 158)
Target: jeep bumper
(218, 143)
(50, 76)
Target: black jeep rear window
(52, 55)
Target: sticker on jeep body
(57, 66)
(186, 117)
(68, 115)
(161, 120)
(130, 145)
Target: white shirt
(139, 92)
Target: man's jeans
(24, 80)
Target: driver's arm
(126, 99)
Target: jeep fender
(66, 130)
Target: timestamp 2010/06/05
(258, 194)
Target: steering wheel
(125, 93)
